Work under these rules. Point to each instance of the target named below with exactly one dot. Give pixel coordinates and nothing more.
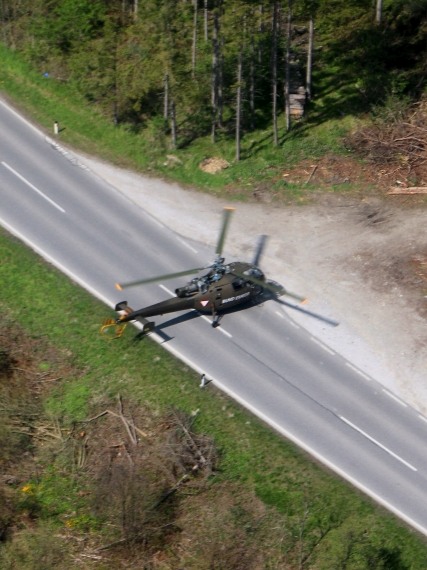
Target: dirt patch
(332, 170)
(213, 165)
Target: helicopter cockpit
(255, 272)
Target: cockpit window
(255, 272)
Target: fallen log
(408, 190)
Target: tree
(215, 75)
(274, 65)
(308, 87)
(288, 67)
(194, 45)
(378, 11)
(238, 103)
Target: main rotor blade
(271, 286)
(259, 250)
(225, 221)
(121, 286)
(279, 290)
(326, 320)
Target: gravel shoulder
(362, 262)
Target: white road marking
(28, 183)
(224, 332)
(56, 263)
(21, 118)
(358, 371)
(66, 154)
(283, 315)
(376, 442)
(220, 329)
(322, 345)
(166, 290)
(187, 245)
(395, 398)
(422, 418)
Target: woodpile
(397, 144)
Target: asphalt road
(267, 362)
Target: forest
(188, 69)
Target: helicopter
(216, 291)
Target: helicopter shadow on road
(159, 328)
(192, 314)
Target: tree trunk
(166, 97)
(252, 86)
(260, 30)
(220, 103)
(308, 92)
(238, 103)
(287, 86)
(215, 68)
(193, 47)
(173, 124)
(379, 12)
(274, 70)
(205, 20)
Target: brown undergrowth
(139, 488)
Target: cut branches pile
(398, 146)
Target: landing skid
(216, 321)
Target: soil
(360, 258)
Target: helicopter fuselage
(223, 287)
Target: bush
(38, 549)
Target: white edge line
(357, 370)
(395, 398)
(187, 245)
(66, 154)
(233, 395)
(376, 442)
(318, 342)
(55, 263)
(21, 118)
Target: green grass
(50, 307)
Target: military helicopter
(216, 291)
